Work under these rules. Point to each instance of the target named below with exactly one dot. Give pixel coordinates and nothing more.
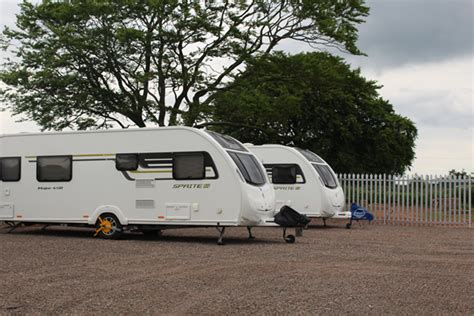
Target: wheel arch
(111, 209)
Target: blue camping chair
(359, 213)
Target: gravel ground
(371, 269)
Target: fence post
(450, 199)
(359, 189)
(470, 202)
(458, 199)
(389, 198)
(356, 187)
(445, 200)
(426, 183)
(369, 190)
(384, 194)
(343, 183)
(412, 201)
(436, 201)
(464, 209)
(376, 190)
(430, 181)
(353, 188)
(366, 199)
(397, 179)
(404, 199)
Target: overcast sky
(422, 52)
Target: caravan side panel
(148, 195)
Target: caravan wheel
(290, 239)
(108, 227)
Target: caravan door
(10, 168)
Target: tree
(316, 101)
(455, 173)
(89, 63)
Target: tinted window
(189, 166)
(124, 162)
(163, 162)
(156, 160)
(10, 169)
(326, 175)
(249, 167)
(310, 155)
(299, 178)
(54, 168)
(284, 174)
(227, 141)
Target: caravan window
(284, 174)
(227, 141)
(188, 166)
(249, 167)
(10, 169)
(54, 168)
(310, 155)
(326, 175)
(165, 162)
(126, 162)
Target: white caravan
(133, 179)
(303, 181)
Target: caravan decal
(44, 188)
(287, 188)
(192, 186)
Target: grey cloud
(434, 108)
(401, 32)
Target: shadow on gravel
(210, 240)
(315, 226)
(340, 227)
(88, 233)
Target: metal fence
(412, 200)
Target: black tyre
(290, 239)
(108, 227)
(348, 225)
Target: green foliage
(455, 173)
(316, 101)
(89, 63)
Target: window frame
(189, 153)
(137, 158)
(19, 168)
(310, 156)
(166, 161)
(299, 171)
(228, 142)
(38, 168)
(323, 178)
(245, 173)
(285, 166)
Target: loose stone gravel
(370, 269)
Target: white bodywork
(309, 195)
(145, 196)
